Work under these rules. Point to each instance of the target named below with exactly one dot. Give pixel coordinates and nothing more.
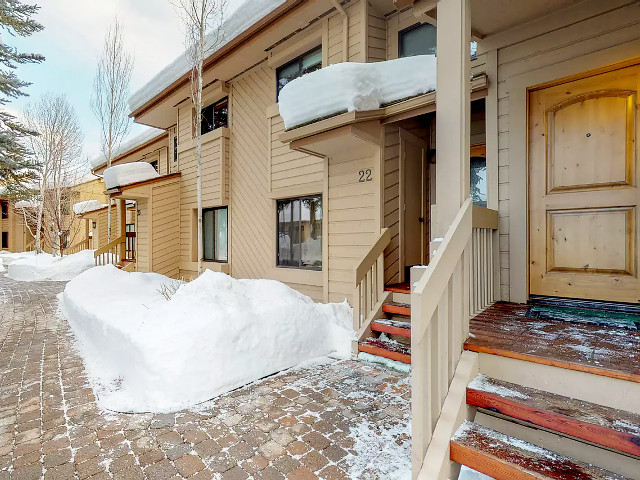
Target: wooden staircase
(520, 432)
(391, 333)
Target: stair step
(597, 424)
(392, 327)
(395, 308)
(506, 458)
(398, 288)
(386, 348)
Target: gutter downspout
(345, 29)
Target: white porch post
(453, 100)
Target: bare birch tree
(109, 101)
(203, 21)
(57, 147)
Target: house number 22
(365, 175)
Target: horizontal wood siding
(377, 37)
(356, 41)
(391, 197)
(352, 222)
(165, 231)
(570, 43)
(142, 237)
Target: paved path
(335, 420)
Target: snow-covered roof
(128, 173)
(87, 206)
(129, 144)
(26, 204)
(355, 87)
(246, 15)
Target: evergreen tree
(16, 163)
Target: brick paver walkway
(333, 420)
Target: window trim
(277, 239)
(213, 209)
(415, 26)
(297, 59)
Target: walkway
(333, 420)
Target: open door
(414, 203)
(583, 188)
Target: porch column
(453, 101)
(122, 225)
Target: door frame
(406, 135)
(525, 89)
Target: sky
(72, 41)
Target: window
(307, 63)
(417, 40)
(154, 164)
(175, 149)
(215, 116)
(5, 210)
(5, 240)
(300, 232)
(479, 181)
(214, 234)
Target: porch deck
(509, 330)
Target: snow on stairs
(506, 458)
(607, 427)
(391, 336)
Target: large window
(307, 63)
(417, 40)
(300, 232)
(5, 209)
(214, 234)
(215, 116)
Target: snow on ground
(8, 257)
(28, 267)
(467, 474)
(128, 173)
(145, 352)
(87, 206)
(385, 362)
(355, 86)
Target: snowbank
(128, 173)
(87, 206)
(46, 267)
(355, 86)
(247, 14)
(146, 353)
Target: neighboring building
(15, 235)
(543, 138)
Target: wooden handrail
(371, 257)
(109, 246)
(82, 245)
(442, 266)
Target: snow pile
(467, 474)
(87, 206)
(26, 204)
(355, 86)
(128, 173)
(246, 15)
(46, 267)
(9, 257)
(146, 136)
(146, 353)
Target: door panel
(583, 188)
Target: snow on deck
(350, 86)
(128, 173)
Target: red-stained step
(392, 327)
(608, 427)
(507, 458)
(398, 288)
(394, 308)
(386, 348)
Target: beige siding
(165, 238)
(353, 226)
(391, 210)
(143, 263)
(356, 42)
(377, 37)
(252, 212)
(557, 51)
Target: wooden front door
(583, 188)
(413, 201)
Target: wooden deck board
(504, 329)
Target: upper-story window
(307, 63)
(215, 116)
(154, 164)
(417, 40)
(5, 209)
